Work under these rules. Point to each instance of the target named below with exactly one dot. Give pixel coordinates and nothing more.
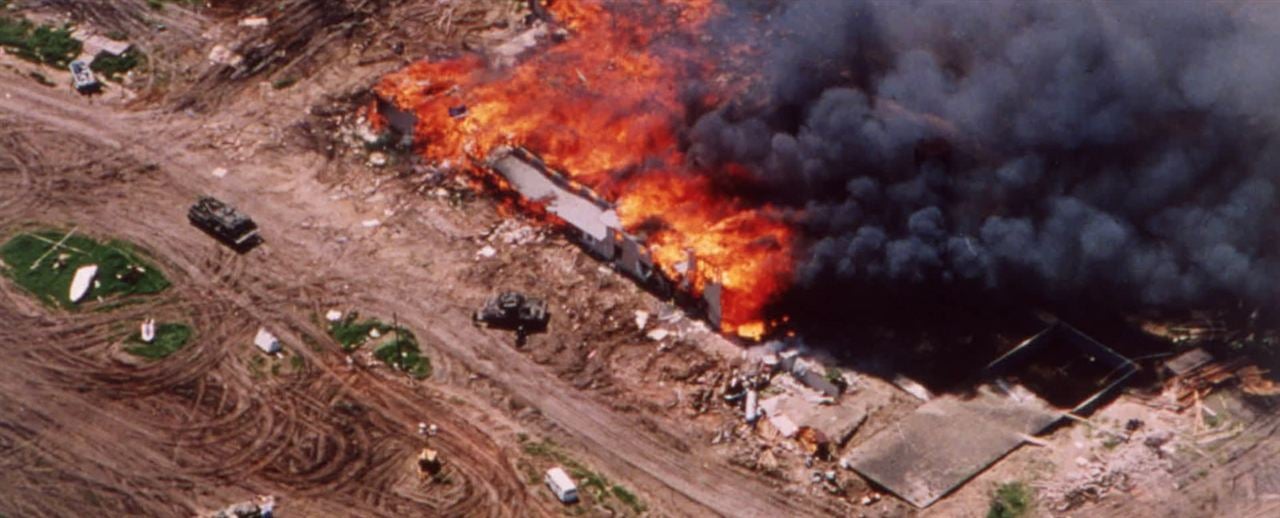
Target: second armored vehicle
(225, 223)
(511, 310)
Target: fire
(605, 107)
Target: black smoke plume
(1125, 153)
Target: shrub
(1012, 500)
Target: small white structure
(562, 485)
(81, 282)
(266, 341)
(753, 408)
(333, 315)
(148, 331)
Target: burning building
(593, 223)
(845, 153)
(587, 130)
(588, 220)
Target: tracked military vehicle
(511, 310)
(224, 223)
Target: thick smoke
(1122, 151)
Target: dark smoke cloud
(1122, 150)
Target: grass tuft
(169, 339)
(1012, 500)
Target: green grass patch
(602, 491)
(351, 332)
(121, 272)
(169, 339)
(401, 352)
(1012, 500)
(113, 67)
(284, 82)
(41, 44)
(395, 346)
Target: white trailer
(562, 485)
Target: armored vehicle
(511, 310)
(82, 78)
(225, 223)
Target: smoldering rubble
(1126, 152)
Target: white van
(562, 485)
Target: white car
(562, 485)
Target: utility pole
(395, 327)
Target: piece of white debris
(658, 335)
(333, 315)
(80, 283)
(486, 252)
(374, 333)
(377, 159)
(642, 318)
(254, 21)
(370, 223)
(219, 172)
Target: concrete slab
(931, 452)
(949, 440)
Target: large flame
(604, 108)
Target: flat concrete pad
(948, 441)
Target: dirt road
(331, 439)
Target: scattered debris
(642, 318)
(253, 21)
(221, 55)
(486, 252)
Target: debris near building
(262, 507)
(225, 223)
(1194, 374)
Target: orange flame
(603, 103)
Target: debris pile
(1141, 460)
